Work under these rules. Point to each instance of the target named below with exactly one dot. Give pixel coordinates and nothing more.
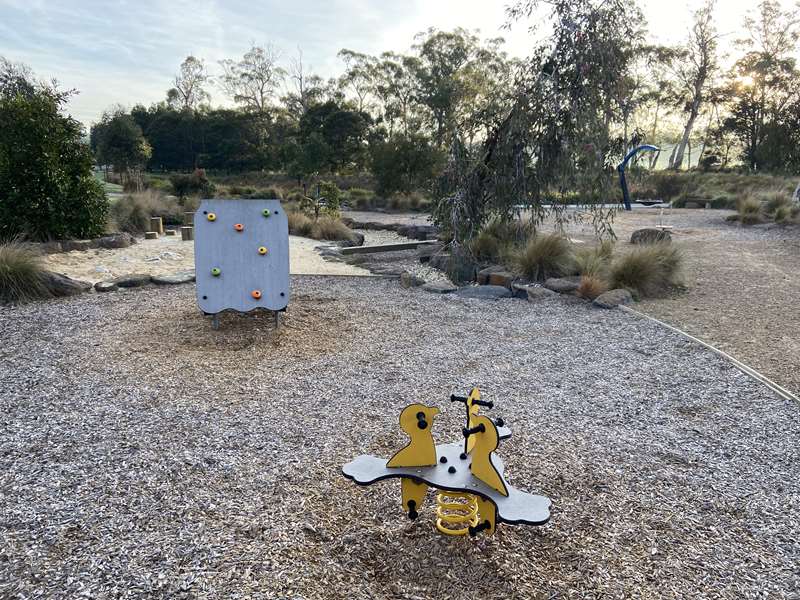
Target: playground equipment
(241, 256)
(626, 197)
(473, 495)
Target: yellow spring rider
(472, 494)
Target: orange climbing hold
(239, 227)
(256, 294)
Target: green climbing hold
(216, 271)
(266, 212)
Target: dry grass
(546, 256)
(647, 271)
(750, 211)
(299, 223)
(594, 261)
(327, 228)
(21, 270)
(324, 228)
(132, 212)
(591, 287)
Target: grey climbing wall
(230, 237)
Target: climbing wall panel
(241, 255)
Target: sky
(127, 51)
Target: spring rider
(473, 495)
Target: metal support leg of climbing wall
(215, 321)
(277, 314)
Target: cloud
(128, 52)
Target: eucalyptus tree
(254, 80)
(695, 70)
(764, 80)
(189, 90)
(557, 138)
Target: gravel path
(143, 455)
(743, 287)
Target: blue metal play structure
(626, 197)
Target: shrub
(772, 201)
(195, 184)
(750, 211)
(591, 261)
(299, 223)
(723, 201)
(132, 213)
(47, 188)
(782, 214)
(328, 228)
(359, 198)
(407, 201)
(649, 270)
(546, 256)
(591, 287)
(20, 274)
(485, 247)
(333, 199)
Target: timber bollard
(157, 225)
(187, 234)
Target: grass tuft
(750, 211)
(299, 223)
(327, 228)
(21, 272)
(591, 287)
(648, 271)
(546, 256)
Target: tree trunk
(687, 131)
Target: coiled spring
(456, 512)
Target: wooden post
(157, 225)
(188, 218)
(187, 234)
(151, 235)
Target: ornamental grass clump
(591, 286)
(750, 211)
(546, 256)
(21, 274)
(647, 271)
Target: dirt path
(743, 287)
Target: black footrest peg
(473, 531)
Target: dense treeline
(406, 110)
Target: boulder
(650, 236)
(613, 298)
(105, 286)
(426, 252)
(53, 247)
(483, 275)
(61, 285)
(133, 280)
(536, 293)
(177, 278)
(502, 278)
(484, 292)
(417, 232)
(116, 240)
(458, 264)
(439, 288)
(78, 245)
(563, 285)
(409, 280)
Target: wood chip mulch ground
(143, 455)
